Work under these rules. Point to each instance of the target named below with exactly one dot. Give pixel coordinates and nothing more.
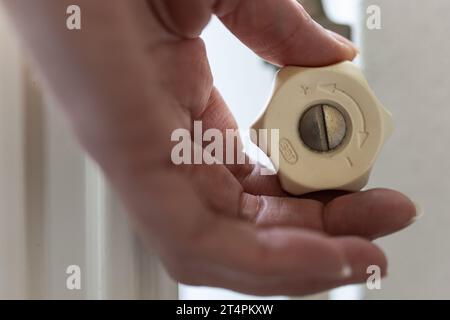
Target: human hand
(137, 71)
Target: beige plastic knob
(331, 128)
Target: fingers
(374, 213)
(279, 31)
(268, 211)
(284, 34)
(370, 214)
(361, 255)
(274, 261)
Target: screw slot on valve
(322, 128)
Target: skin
(138, 70)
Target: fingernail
(417, 215)
(345, 42)
(419, 211)
(346, 271)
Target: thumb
(283, 33)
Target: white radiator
(57, 215)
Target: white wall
(408, 64)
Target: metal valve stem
(322, 128)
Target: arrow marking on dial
(362, 135)
(350, 162)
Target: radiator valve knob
(331, 128)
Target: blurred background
(56, 210)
